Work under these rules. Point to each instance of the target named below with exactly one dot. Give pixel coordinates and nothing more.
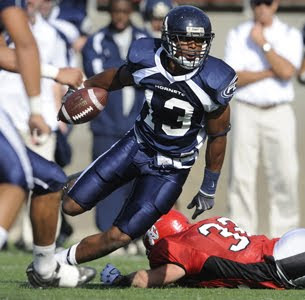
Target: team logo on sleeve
(230, 89)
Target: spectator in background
(75, 12)
(52, 50)
(265, 53)
(67, 30)
(153, 12)
(301, 73)
(105, 49)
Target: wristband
(209, 182)
(49, 71)
(35, 105)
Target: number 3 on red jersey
(243, 241)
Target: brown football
(83, 105)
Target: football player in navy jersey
(187, 94)
(21, 170)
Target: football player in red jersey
(215, 253)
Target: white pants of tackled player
(269, 135)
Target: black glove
(69, 92)
(202, 202)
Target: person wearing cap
(215, 252)
(265, 53)
(153, 12)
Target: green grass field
(13, 285)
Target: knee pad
(139, 222)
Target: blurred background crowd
(94, 35)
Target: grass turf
(13, 285)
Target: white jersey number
(183, 122)
(243, 241)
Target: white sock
(44, 260)
(61, 256)
(3, 236)
(67, 256)
(71, 255)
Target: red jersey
(216, 253)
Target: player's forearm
(8, 59)
(247, 77)
(215, 153)
(8, 62)
(108, 80)
(29, 69)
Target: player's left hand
(109, 274)
(202, 202)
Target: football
(83, 105)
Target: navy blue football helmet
(184, 23)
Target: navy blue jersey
(74, 11)
(172, 120)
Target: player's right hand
(202, 202)
(70, 76)
(109, 274)
(39, 129)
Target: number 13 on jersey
(181, 124)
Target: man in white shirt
(265, 53)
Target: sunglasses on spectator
(259, 2)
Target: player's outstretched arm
(69, 76)
(111, 79)
(218, 124)
(160, 276)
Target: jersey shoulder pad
(220, 80)
(142, 52)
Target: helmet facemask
(171, 223)
(187, 58)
